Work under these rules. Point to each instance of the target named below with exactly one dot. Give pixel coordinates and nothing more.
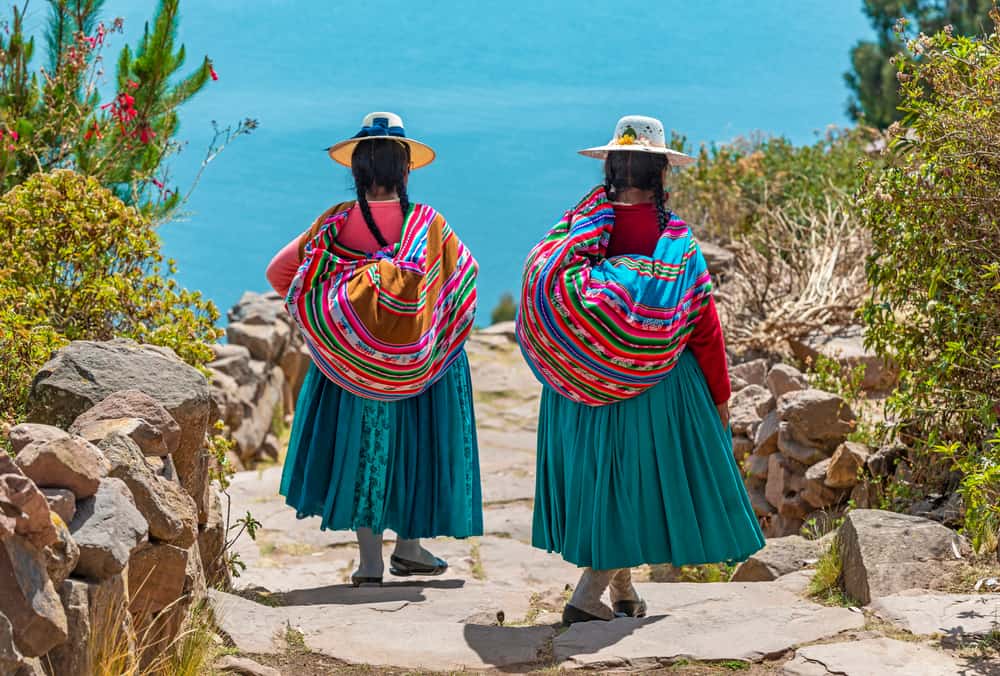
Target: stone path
(497, 608)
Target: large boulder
(883, 553)
(28, 433)
(11, 659)
(108, 528)
(258, 415)
(84, 373)
(28, 598)
(234, 362)
(783, 378)
(167, 508)
(780, 556)
(266, 342)
(816, 418)
(156, 577)
(26, 511)
(295, 364)
(72, 658)
(159, 436)
(71, 462)
(846, 346)
(748, 407)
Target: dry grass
(794, 273)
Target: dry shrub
(796, 271)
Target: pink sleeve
(283, 266)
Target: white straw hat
(638, 133)
(382, 125)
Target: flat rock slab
(388, 630)
(872, 657)
(704, 622)
(949, 614)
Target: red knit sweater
(636, 232)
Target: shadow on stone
(345, 594)
(508, 649)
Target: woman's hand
(723, 410)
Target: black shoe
(358, 580)
(571, 615)
(630, 608)
(404, 568)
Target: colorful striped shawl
(385, 325)
(601, 330)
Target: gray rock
(69, 462)
(26, 433)
(847, 460)
(266, 342)
(780, 556)
(883, 553)
(766, 437)
(744, 621)
(758, 501)
(159, 435)
(235, 365)
(748, 407)
(244, 666)
(28, 599)
(756, 465)
(872, 657)
(61, 501)
(816, 418)
(816, 491)
(752, 372)
(718, 259)
(108, 528)
(779, 526)
(295, 364)
(846, 347)
(227, 406)
(785, 481)
(72, 658)
(782, 379)
(807, 454)
(59, 394)
(167, 508)
(258, 416)
(953, 615)
(61, 556)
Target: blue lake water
(505, 92)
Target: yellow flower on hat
(627, 138)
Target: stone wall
(255, 377)
(108, 519)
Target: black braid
(609, 179)
(366, 211)
(380, 163)
(661, 210)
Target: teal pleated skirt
(410, 466)
(651, 479)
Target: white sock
(589, 590)
(621, 586)
(370, 554)
(411, 550)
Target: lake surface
(505, 92)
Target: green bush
(80, 264)
(935, 267)
(505, 310)
(734, 186)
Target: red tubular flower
(14, 135)
(211, 71)
(146, 135)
